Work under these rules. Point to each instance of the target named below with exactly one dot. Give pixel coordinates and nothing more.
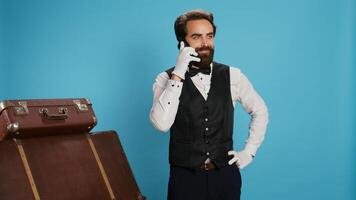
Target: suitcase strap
(27, 169)
(102, 171)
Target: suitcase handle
(63, 114)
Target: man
(195, 100)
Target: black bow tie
(194, 71)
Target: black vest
(203, 128)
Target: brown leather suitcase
(28, 118)
(61, 164)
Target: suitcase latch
(22, 109)
(80, 106)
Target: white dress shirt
(166, 93)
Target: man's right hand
(185, 56)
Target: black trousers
(216, 184)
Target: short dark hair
(180, 25)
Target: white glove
(183, 60)
(242, 158)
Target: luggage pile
(47, 152)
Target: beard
(206, 57)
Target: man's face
(200, 36)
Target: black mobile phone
(185, 44)
(192, 62)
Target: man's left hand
(242, 158)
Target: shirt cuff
(174, 86)
(170, 97)
(251, 149)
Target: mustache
(203, 48)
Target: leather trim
(102, 171)
(27, 169)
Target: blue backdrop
(299, 54)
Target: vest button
(206, 128)
(207, 141)
(206, 119)
(207, 153)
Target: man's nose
(204, 42)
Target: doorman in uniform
(195, 101)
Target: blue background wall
(300, 56)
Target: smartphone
(185, 44)
(192, 62)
